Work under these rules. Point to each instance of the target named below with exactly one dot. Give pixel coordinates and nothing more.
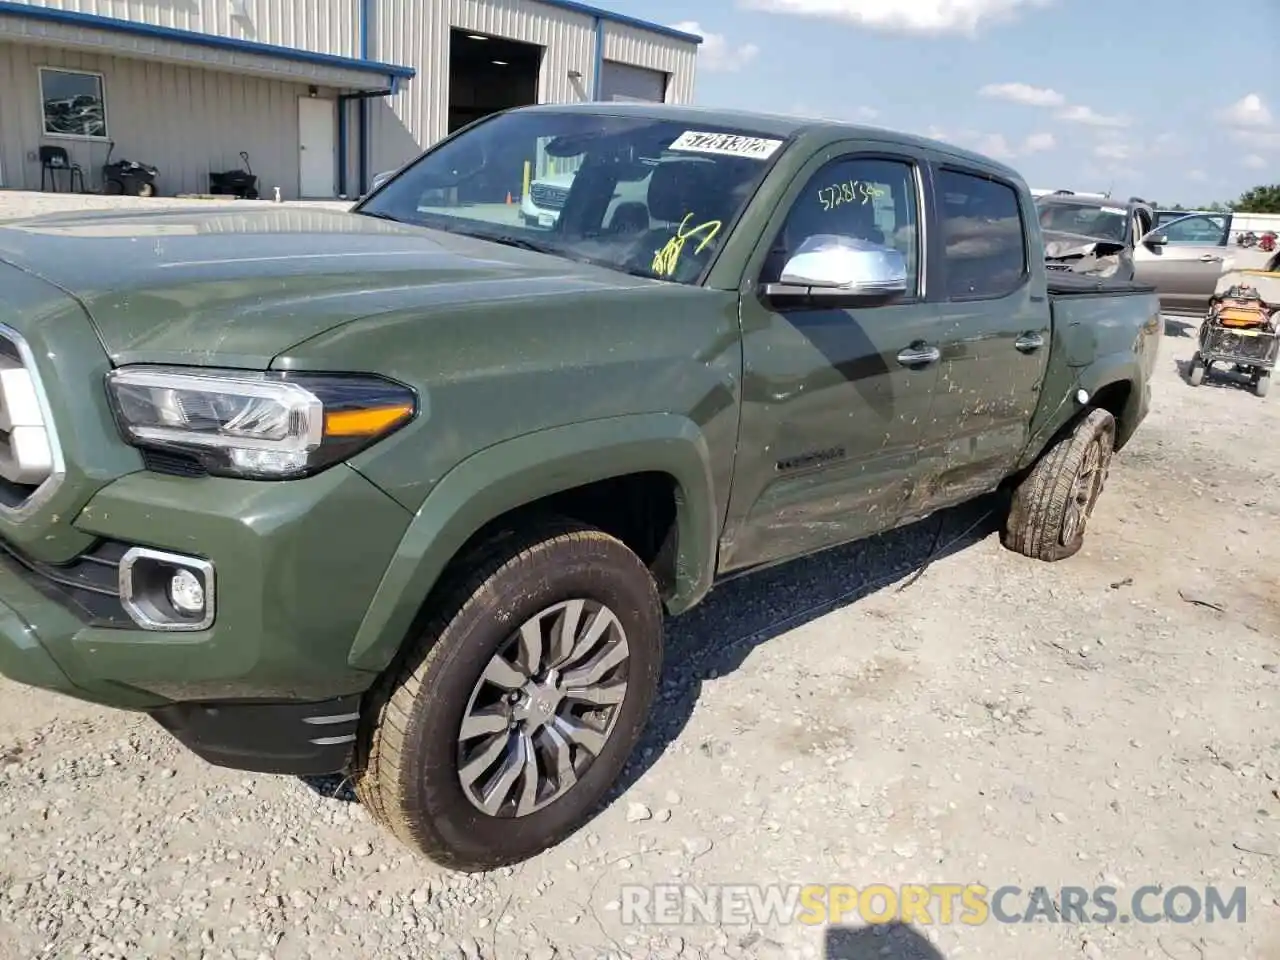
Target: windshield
(1101, 222)
(645, 196)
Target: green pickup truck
(407, 490)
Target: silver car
(1182, 258)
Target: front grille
(548, 197)
(33, 466)
(88, 586)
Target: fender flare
(1098, 375)
(522, 470)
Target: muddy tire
(1052, 504)
(1195, 373)
(512, 714)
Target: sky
(1176, 101)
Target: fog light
(186, 593)
(167, 591)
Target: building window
(73, 103)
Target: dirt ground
(1108, 720)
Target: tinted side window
(984, 245)
(860, 198)
(1142, 224)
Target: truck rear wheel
(515, 710)
(1052, 505)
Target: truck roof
(782, 126)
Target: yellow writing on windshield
(667, 259)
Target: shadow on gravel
(889, 941)
(718, 635)
(1221, 377)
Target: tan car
(1182, 258)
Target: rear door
(1186, 269)
(994, 334)
(835, 400)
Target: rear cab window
(984, 240)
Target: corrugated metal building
(321, 94)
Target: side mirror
(1155, 239)
(833, 270)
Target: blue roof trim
(573, 6)
(51, 15)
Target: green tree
(1265, 199)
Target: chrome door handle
(918, 356)
(1209, 258)
(1029, 342)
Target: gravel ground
(1106, 720)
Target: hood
(1060, 243)
(239, 286)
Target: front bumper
(300, 739)
(297, 564)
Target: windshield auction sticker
(725, 144)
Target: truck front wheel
(515, 710)
(1053, 503)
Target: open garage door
(622, 81)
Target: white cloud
(856, 115)
(994, 145)
(1267, 141)
(1090, 117)
(1023, 93)
(903, 16)
(1254, 162)
(1113, 151)
(1248, 111)
(1039, 142)
(1198, 176)
(717, 54)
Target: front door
(994, 333)
(1186, 269)
(833, 404)
(317, 148)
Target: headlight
(265, 426)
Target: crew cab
(406, 491)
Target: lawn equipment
(1240, 329)
(128, 177)
(238, 183)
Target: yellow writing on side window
(667, 259)
(851, 191)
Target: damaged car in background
(1095, 236)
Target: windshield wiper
(378, 216)
(509, 241)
